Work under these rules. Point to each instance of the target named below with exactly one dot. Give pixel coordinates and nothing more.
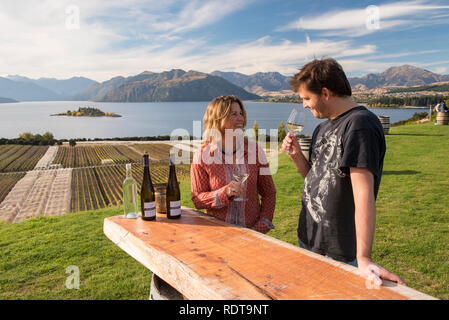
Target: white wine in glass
(294, 123)
(296, 128)
(239, 177)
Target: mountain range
(179, 85)
(44, 89)
(174, 85)
(7, 100)
(405, 75)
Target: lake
(146, 119)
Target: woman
(225, 150)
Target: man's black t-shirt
(326, 222)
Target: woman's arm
(267, 190)
(202, 195)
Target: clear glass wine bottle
(130, 195)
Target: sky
(101, 39)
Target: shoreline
(359, 103)
(404, 107)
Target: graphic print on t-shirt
(323, 174)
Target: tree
(37, 141)
(256, 130)
(48, 138)
(72, 142)
(281, 132)
(27, 136)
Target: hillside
(174, 85)
(405, 75)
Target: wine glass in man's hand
(295, 123)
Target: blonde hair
(216, 115)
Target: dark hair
(319, 74)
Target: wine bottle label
(149, 209)
(175, 208)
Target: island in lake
(88, 112)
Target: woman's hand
(234, 188)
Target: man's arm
(365, 221)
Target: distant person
(338, 211)
(214, 187)
(441, 107)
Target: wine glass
(295, 123)
(239, 176)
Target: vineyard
(99, 187)
(7, 182)
(159, 151)
(15, 158)
(87, 156)
(89, 177)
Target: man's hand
(365, 220)
(375, 273)
(291, 147)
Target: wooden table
(205, 258)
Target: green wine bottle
(147, 196)
(173, 193)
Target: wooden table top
(205, 258)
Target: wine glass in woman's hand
(239, 176)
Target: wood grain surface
(205, 258)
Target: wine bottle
(130, 195)
(173, 193)
(147, 196)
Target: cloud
(126, 37)
(114, 36)
(197, 14)
(440, 70)
(358, 22)
(264, 55)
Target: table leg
(161, 290)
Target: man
(342, 179)
(440, 107)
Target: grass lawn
(411, 237)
